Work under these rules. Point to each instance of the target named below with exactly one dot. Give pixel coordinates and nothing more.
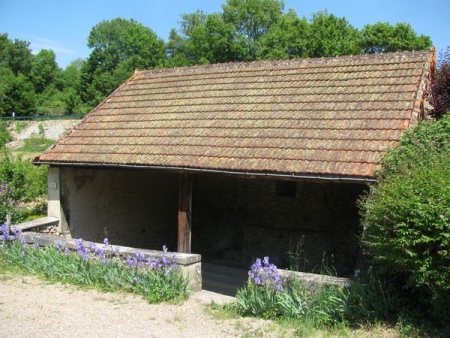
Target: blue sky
(64, 25)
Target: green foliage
(35, 145)
(5, 136)
(267, 302)
(440, 86)
(251, 20)
(15, 55)
(18, 96)
(155, 285)
(286, 39)
(119, 47)
(44, 70)
(406, 217)
(28, 181)
(9, 205)
(383, 37)
(367, 301)
(332, 36)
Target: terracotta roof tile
(329, 116)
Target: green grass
(112, 275)
(330, 311)
(20, 125)
(35, 144)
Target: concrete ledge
(37, 223)
(190, 264)
(313, 279)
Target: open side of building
(238, 161)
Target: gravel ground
(53, 129)
(31, 308)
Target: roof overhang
(269, 175)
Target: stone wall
(236, 220)
(189, 264)
(136, 208)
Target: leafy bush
(440, 85)
(406, 214)
(95, 265)
(267, 295)
(28, 181)
(9, 205)
(5, 136)
(22, 183)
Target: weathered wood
(184, 213)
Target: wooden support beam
(184, 213)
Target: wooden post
(184, 213)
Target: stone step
(223, 279)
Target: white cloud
(38, 43)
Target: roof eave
(275, 175)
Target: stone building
(239, 160)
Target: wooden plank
(184, 213)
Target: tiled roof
(327, 117)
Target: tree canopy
(383, 37)
(249, 30)
(118, 47)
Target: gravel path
(31, 308)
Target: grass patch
(364, 308)
(35, 145)
(20, 125)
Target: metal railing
(43, 117)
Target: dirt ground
(31, 308)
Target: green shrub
(406, 214)
(267, 302)
(22, 183)
(28, 181)
(9, 205)
(269, 296)
(5, 136)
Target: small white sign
(52, 185)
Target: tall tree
(44, 70)
(203, 38)
(71, 93)
(286, 39)
(15, 55)
(176, 51)
(332, 36)
(18, 96)
(383, 37)
(189, 21)
(119, 47)
(212, 41)
(251, 19)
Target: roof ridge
(284, 62)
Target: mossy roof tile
(328, 116)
